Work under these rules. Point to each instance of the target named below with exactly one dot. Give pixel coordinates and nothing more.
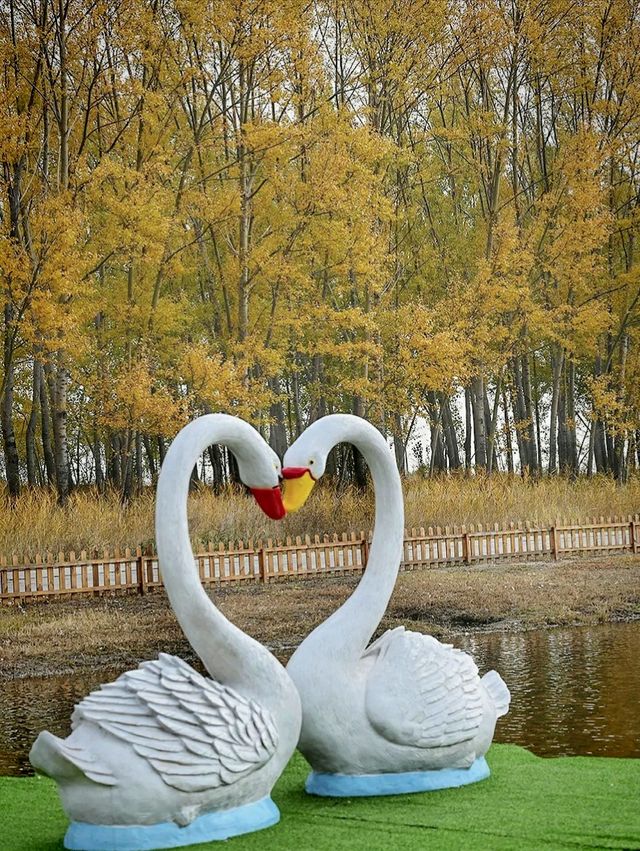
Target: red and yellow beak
(298, 484)
(270, 501)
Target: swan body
(165, 757)
(404, 713)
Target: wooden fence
(52, 575)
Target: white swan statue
(406, 713)
(164, 757)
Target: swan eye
(311, 462)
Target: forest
(416, 211)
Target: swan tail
(498, 691)
(56, 758)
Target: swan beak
(270, 501)
(298, 484)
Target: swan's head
(260, 470)
(303, 464)
(306, 460)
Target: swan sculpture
(164, 757)
(405, 713)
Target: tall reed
(37, 524)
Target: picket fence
(63, 574)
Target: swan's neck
(228, 654)
(349, 630)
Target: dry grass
(62, 637)
(503, 499)
(566, 593)
(37, 524)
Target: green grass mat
(528, 803)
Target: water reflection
(574, 691)
(28, 706)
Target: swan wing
(422, 693)
(195, 732)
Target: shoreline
(115, 665)
(56, 638)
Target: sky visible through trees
(424, 213)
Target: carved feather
(196, 733)
(422, 693)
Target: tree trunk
(126, 463)
(139, 468)
(277, 428)
(78, 456)
(217, 467)
(507, 432)
(519, 417)
(590, 453)
(97, 459)
(467, 428)
(30, 437)
(318, 406)
(57, 381)
(359, 465)
(600, 448)
(620, 437)
(451, 438)
(11, 459)
(232, 468)
(562, 426)
(151, 458)
(557, 362)
(398, 444)
(114, 469)
(611, 454)
(570, 410)
(45, 430)
(438, 459)
(194, 479)
(599, 438)
(536, 400)
(295, 393)
(479, 422)
(532, 455)
(492, 418)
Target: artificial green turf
(528, 803)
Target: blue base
(405, 782)
(206, 828)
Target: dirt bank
(41, 639)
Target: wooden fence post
(140, 569)
(95, 573)
(364, 546)
(262, 564)
(634, 543)
(553, 540)
(16, 576)
(466, 552)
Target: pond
(574, 691)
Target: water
(574, 691)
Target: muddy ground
(45, 638)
